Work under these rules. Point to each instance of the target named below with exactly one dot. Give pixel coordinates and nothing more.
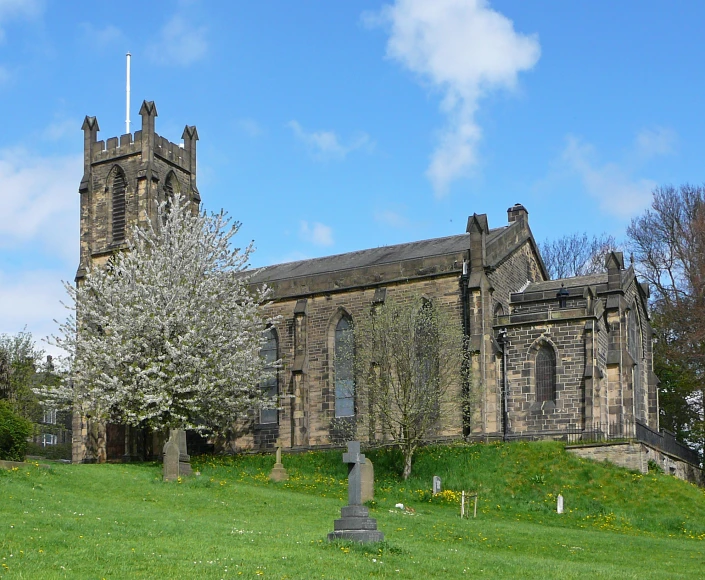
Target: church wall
(308, 418)
(527, 414)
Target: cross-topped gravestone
(278, 472)
(354, 459)
(355, 523)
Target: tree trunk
(408, 454)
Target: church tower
(125, 179)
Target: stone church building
(548, 357)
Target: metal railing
(600, 432)
(666, 442)
(626, 430)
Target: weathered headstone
(367, 480)
(559, 504)
(278, 472)
(171, 460)
(436, 484)
(355, 523)
(184, 458)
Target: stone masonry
(586, 341)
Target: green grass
(122, 521)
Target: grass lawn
(122, 521)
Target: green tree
(410, 366)
(14, 431)
(668, 243)
(19, 362)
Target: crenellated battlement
(125, 179)
(128, 144)
(145, 142)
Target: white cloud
(316, 233)
(654, 142)
(39, 201)
(466, 50)
(18, 9)
(612, 185)
(324, 145)
(32, 299)
(180, 43)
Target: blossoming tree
(168, 334)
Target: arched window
(118, 187)
(269, 384)
(171, 187)
(545, 374)
(344, 375)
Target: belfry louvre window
(119, 187)
(171, 186)
(344, 377)
(269, 385)
(545, 374)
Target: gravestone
(171, 460)
(355, 523)
(278, 472)
(367, 480)
(436, 484)
(184, 458)
(559, 504)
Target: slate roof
(371, 257)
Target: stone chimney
(517, 213)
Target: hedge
(14, 431)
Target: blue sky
(327, 127)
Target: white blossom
(169, 333)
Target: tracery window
(269, 384)
(344, 374)
(545, 374)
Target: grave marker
(436, 484)
(171, 460)
(184, 458)
(355, 523)
(367, 481)
(559, 504)
(278, 472)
